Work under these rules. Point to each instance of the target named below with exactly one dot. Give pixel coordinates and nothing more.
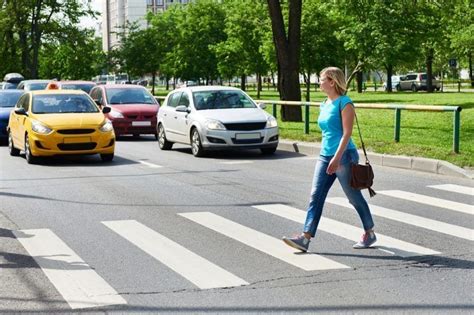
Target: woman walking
(338, 151)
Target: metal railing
(398, 111)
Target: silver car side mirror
(262, 105)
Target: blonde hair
(336, 75)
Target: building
(116, 14)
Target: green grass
(425, 134)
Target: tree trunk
(242, 81)
(429, 71)
(153, 78)
(359, 78)
(470, 69)
(167, 83)
(288, 53)
(259, 84)
(389, 69)
(307, 79)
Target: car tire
(162, 142)
(11, 147)
(107, 157)
(30, 158)
(398, 88)
(196, 145)
(268, 151)
(413, 88)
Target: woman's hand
(333, 166)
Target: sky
(93, 23)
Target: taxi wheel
(30, 158)
(13, 151)
(196, 145)
(162, 142)
(107, 157)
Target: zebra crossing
(83, 287)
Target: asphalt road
(164, 232)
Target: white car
(215, 117)
(395, 83)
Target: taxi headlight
(40, 128)
(271, 122)
(116, 114)
(214, 124)
(106, 126)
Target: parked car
(8, 99)
(11, 80)
(59, 122)
(417, 81)
(33, 85)
(85, 86)
(215, 118)
(134, 109)
(395, 83)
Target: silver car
(215, 117)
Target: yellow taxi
(59, 122)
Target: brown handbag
(362, 176)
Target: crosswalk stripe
(455, 188)
(150, 164)
(262, 242)
(191, 266)
(432, 201)
(79, 285)
(237, 162)
(411, 219)
(384, 243)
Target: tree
(461, 32)
(241, 53)
(287, 47)
(320, 47)
(29, 21)
(77, 54)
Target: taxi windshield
(63, 103)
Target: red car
(134, 109)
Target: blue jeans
(322, 182)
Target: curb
(397, 161)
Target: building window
(149, 2)
(159, 2)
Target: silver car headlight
(115, 114)
(106, 126)
(40, 128)
(214, 124)
(271, 122)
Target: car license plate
(246, 136)
(77, 139)
(141, 123)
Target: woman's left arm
(347, 115)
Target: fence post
(306, 118)
(457, 124)
(398, 112)
(274, 109)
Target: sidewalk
(399, 161)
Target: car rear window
(63, 103)
(84, 87)
(9, 99)
(221, 99)
(129, 96)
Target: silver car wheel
(196, 145)
(162, 142)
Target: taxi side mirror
(21, 111)
(106, 109)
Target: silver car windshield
(63, 103)
(221, 99)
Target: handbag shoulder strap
(358, 128)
